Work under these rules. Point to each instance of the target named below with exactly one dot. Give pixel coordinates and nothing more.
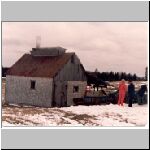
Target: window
(32, 84)
(66, 87)
(75, 89)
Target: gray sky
(107, 46)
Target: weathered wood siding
(72, 71)
(60, 93)
(18, 91)
(71, 95)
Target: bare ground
(16, 115)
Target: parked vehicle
(106, 98)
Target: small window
(32, 84)
(75, 89)
(66, 86)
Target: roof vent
(38, 42)
(48, 51)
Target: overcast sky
(107, 46)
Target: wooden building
(46, 77)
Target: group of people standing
(130, 89)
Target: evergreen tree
(146, 73)
(129, 76)
(134, 77)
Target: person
(131, 93)
(140, 94)
(122, 92)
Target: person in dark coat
(141, 93)
(131, 93)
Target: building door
(62, 99)
(64, 95)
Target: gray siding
(70, 72)
(60, 96)
(71, 95)
(18, 91)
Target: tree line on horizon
(113, 76)
(117, 76)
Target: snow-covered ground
(98, 115)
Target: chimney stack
(38, 42)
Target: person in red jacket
(122, 92)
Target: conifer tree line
(116, 76)
(113, 76)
